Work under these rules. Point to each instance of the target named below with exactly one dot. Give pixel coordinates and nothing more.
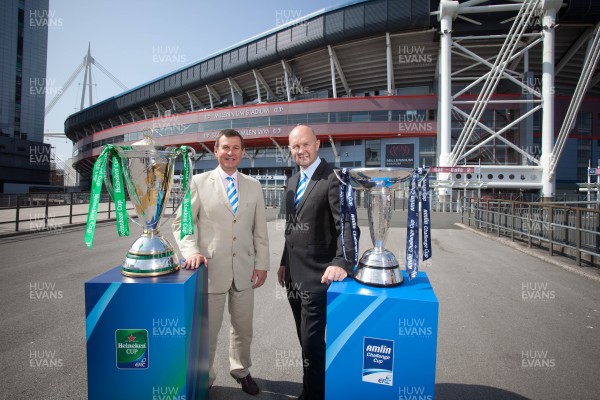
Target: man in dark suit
(313, 256)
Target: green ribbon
(187, 224)
(118, 194)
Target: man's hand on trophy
(194, 261)
(333, 273)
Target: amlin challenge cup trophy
(147, 169)
(378, 266)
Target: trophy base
(150, 255)
(378, 268)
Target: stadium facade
(387, 83)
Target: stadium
(499, 95)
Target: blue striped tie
(232, 194)
(301, 189)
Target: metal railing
(52, 211)
(569, 231)
(274, 197)
(34, 212)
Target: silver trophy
(378, 266)
(148, 174)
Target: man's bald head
(304, 145)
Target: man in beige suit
(229, 213)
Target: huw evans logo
(44, 291)
(44, 19)
(167, 54)
(290, 359)
(167, 327)
(414, 55)
(413, 393)
(537, 291)
(378, 361)
(537, 359)
(167, 393)
(40, 155)
(414, 327)
(44, 359)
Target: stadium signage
(248, 132)
(400, 155)
(452, 170)
(243, 112)
(270, 177)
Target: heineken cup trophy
(378, 266)
(147, 169)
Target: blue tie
(232, 194)
(301, 189)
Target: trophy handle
(337, 175)
(111, 190)
(423, 174)
(191, 154)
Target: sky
(138, 41)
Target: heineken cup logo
(132, 348)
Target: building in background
(24, 157)
(366, 76)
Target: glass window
(373, 153)
(339, 117)
(259, 121)
(240, 123)
(278, 120)
(584, 123)
(296, 119)
(427, 145)
(318, 118)
(215, 125)
(378, 116)
(359, 116)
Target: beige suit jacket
(234, 244)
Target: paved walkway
(511, 326)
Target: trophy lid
(147, 147)
(147, 140)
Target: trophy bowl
(148, 175)
(378, 266)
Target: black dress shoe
(248, 385)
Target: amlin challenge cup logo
(378, 361)
(132, 348)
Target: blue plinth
(381, 342)
(147, 337)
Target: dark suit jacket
(312, 233)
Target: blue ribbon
(417, 196)
(348, 206)
(426, 217)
